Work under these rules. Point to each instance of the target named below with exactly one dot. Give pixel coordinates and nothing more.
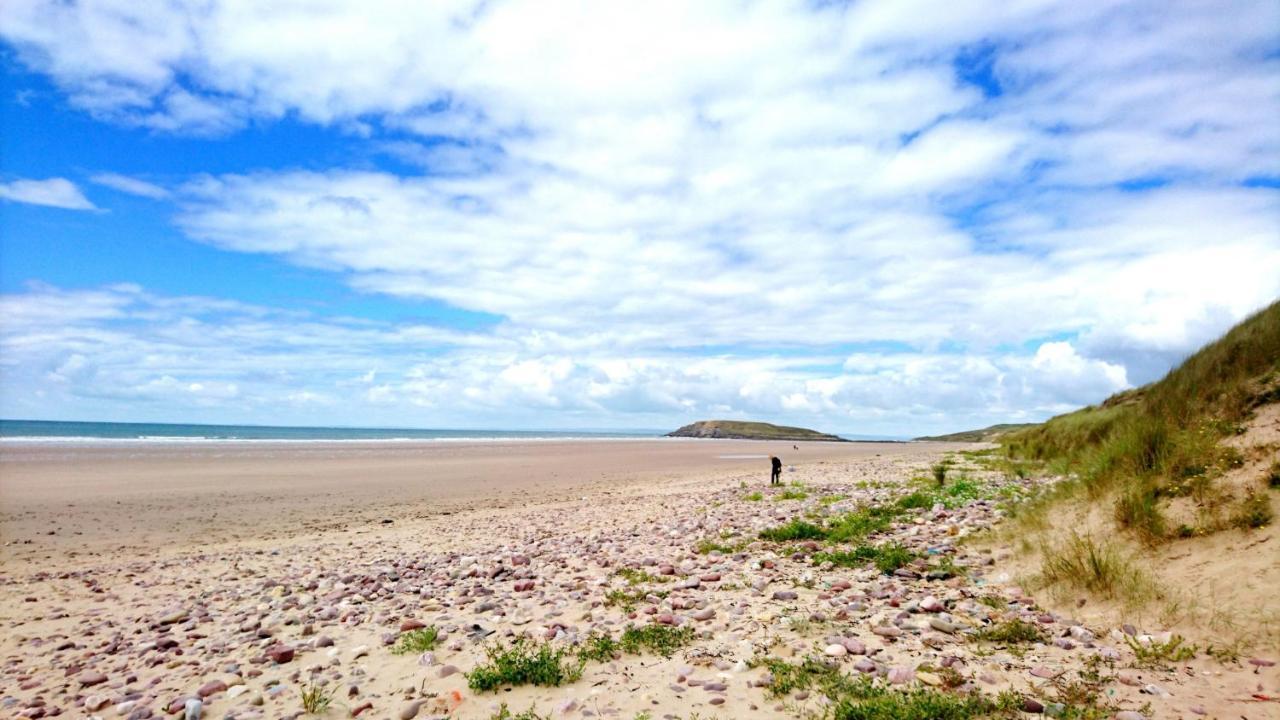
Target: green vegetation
(740, 430)
(1085, 697)
(599, 648)
(628, 599)
(706, 546)
(876, 702)
(1138, 509)
(504, 713)
(1254, 512)
(1097, 567)
(791, 494)
(1159, 656)
(947, 564)
(635, 576)
(862, 699)
(753, 497)
(892, 556)
(661, 639)
(861, 523)
(794, 530)
(960, 492)
(316, 698)
(857, 557)
(1273, 475)
(939, 471)
(524, 663)
(916, 500)
(417, 641)
(1011, 632)
(1163, 439)
(886, 558)
(849, 527)
(994, 601)
(832, 499)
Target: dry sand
(59, 500)
(247, 570)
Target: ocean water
(55, 431)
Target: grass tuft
(1083, 563)
(864, 699)
(1159, 656)
(939, 471)
(886, 558)
(524, 663)
(794, 530)
(417, 641)
(1139, 510)
(316, 698)
(599, 648)
(504, 713)
(1254, 512)
(663, 640)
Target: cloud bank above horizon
(887, 218)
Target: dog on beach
(776, 477)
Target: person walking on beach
(776, 477)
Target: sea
(50, 431)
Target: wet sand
(59, 499)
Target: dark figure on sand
(776, 477)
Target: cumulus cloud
(53, 192)
(149, 356)
(654, 197)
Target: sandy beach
(60, 500)
(138, 580)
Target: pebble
(836, 650)
(901, 675)
(90, 678)
(211, 687)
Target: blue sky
(884, 218)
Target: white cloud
(53, 192)
(130, 185)
(141, 356)
(626, 185)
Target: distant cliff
(737, 430)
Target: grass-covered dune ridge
(1165, 440)
(987, 434)
(1164, 511)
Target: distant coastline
(72, 432)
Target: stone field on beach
(242, 630)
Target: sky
(876, 218)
